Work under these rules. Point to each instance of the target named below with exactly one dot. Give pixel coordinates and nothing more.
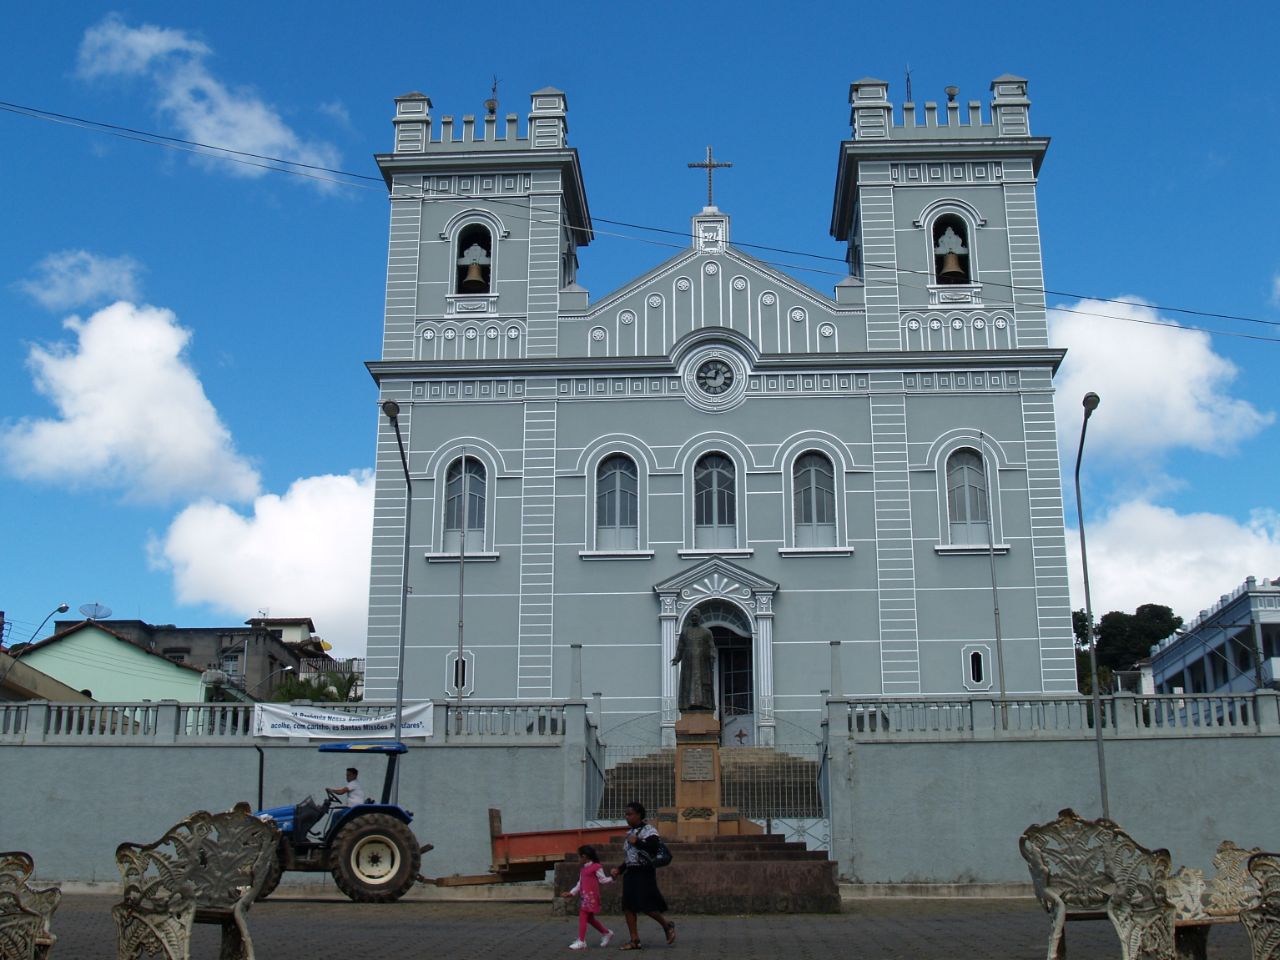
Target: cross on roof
(710, 164)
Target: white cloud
(1161, 388)
(303, 554)
(77, 278)
(1140, 552)
(132, 414)
(191, 98)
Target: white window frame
(589, 470)
(966, 656)
(468, 673)
(991, 463)
(441, 550)
(719, 529)
(617, 537)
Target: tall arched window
(951, 260)
(617, 509)
(714, 503)
(814, 501)
(967, 497)
(464, 505)
(473, 258)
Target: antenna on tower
(909, 100)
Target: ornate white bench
(25, 912)
(1091, 870)
(1198, 904)
(1262, 919)
(206, 869)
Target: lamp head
(391, 409)
(63, 608)
(1091, 401)
(951, 92)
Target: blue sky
(184, 413)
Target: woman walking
(640, 893)
(589, 879)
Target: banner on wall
(316, 723)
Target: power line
(282, 165)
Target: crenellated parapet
(873, 116)
(416, 131)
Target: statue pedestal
(697, 812)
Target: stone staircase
(727, 875)
(760, 782)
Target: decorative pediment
(716, 579)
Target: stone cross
(710, 164)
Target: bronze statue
(694, 653)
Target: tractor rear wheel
(375, 858)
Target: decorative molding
(469, 390)
(970, 549)
(480, 556)
(816, 551)
(616, 554)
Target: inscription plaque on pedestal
(697, 763)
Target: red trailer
(528, 856)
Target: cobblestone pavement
(915, 929)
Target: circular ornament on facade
(597, 334)
(957, 323)
(471, 333)
(827, 330)
(712, 269)
(768, 299)
(655, 301)
(979, 324)
(798, 314)
(1001, 323)
(428, 335)
(935, 324)
(492, 333)
(683, 284)
(450, 334)
(513, 333)
(627, 316)
(913, 324)
(739, 283)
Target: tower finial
(710, 164)
(909, 100)
(491, 105)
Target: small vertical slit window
(714, 503)
(951, 259)
(474, 260)
(977, 669)
(617, 505)
(464, 505)
(967, 498)
(814, 501)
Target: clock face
(715, 377)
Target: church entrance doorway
(734, 672)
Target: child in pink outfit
(589, 879)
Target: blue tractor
(368, 848)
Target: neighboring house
(253, 657)
(800, 465)
(21, 681)
(109, 666)
(1234, 646)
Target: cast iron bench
(25, 912)
(206, 869)
(1093, 870)
(1198, 904)
(1262, 920)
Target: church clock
(715, 377)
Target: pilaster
(537, 543)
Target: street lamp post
(266, 678)
(60, 608)
(392, 411)
(1091, 401)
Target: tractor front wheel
(274, 872)
(375, 858)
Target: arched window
(617, 507)
(951, 261)
(967, 498)
(714, 503)
(464, 505)
(814, 501)
(473, 259)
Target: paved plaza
(916, 929)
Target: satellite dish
(94, 611)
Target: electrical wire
(282, 165)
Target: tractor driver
(355, 793)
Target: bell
(952, 271)
(474, 281)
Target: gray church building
(873, 464)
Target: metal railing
(1122, 715)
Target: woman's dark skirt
(640, 893)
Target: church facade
(874, 465)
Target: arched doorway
(734, 671)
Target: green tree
(1123, 640)
(327, 687)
